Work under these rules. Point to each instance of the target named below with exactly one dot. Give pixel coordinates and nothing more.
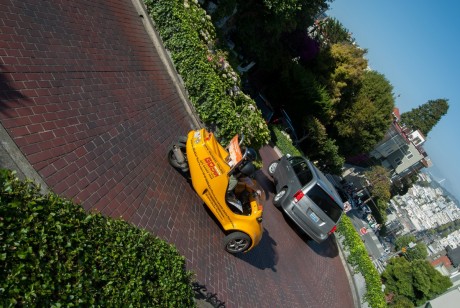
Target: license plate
(314, 217)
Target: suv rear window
(325, 202)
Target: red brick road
(88, 101)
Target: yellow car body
(210, 164)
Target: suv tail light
(332, 230)
(298, 195)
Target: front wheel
(277, 198)
(237, 242)
(173, 160)
(272, 168)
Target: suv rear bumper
(300, 222)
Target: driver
(245, 169)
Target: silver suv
(306, 196)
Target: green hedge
(360, 261)
(283, 141)
(212, 85)
(53, 253)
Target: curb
(167, 62)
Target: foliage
(330, 31)
(298, 87)
(364, 123)
(379, 209)
(53, 253)
(342, 67)
(418, 281)
(301, 46)
(426, 116)
(447, 228)
(418, 252)
(361, 262)
(379, 181)
(321, 148)
(225, 8)
(271, 20)
(283, 142)
(212, 85)
(401, 302)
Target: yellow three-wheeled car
(223, 178)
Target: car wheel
(237, 242)
(277, 198)
(272, 168)
(173, 161)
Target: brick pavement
(88, 101)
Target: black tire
(272, 167)
(237, 242)
(278, 197)
(173, 161)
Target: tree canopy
(379, 182)
(418, 281)
(365, 120)
(426, 116)
(330, 31)
(270, 20)
(418, 252)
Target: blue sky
(416, 45)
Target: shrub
(283, 141)
(213, 87)
(53, 253)
(358, 258)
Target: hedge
(53, 253)
(283, 141)
(359, 259)
(212, 85)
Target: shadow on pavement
(7, 92)
(205, 299)
(263, 255)
(265, 182)
(328, 248)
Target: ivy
(212, 84)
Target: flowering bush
(212, 84)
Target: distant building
(401, 150)
(449, 299)
(444, 266)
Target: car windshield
(325, 202)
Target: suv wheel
(277, 198)
(272, 168)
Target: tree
(321, 148)
(426, 116)
(401, 302)
(297, 89)
(341, 68)
(379, 180)
(418, 252)
(330, 31)
(261, 24)
(418, 281)
(363, 124)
